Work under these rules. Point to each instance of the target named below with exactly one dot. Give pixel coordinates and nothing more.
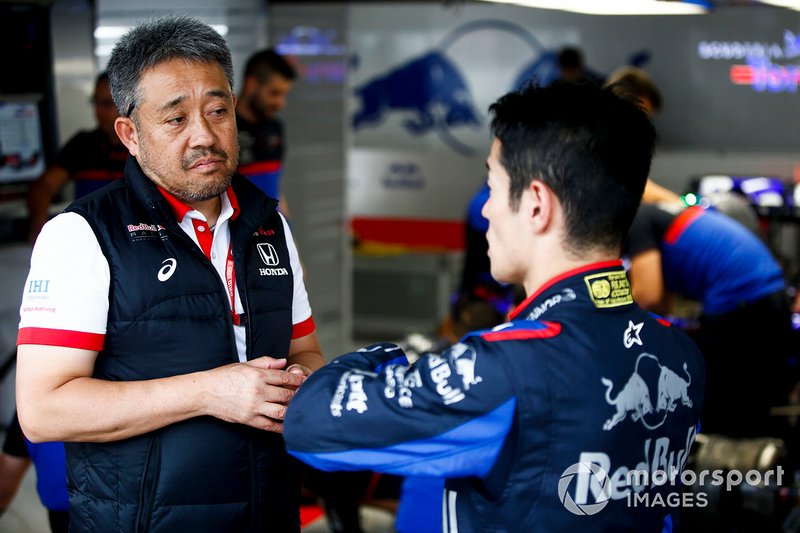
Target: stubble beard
(185, 189)
(262, 111)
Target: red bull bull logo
(434, 94)
(634, 397)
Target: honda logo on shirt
(268, 254)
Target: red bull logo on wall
(435, 95)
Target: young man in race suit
(555, 420)
(164, 323)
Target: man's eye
(176, 120)
(219, 112)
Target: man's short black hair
(265, 63)
(590, 147)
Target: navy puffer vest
(201, 474)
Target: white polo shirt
(65, 299)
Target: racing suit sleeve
(446, 415)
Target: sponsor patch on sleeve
(609, 289)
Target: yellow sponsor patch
(609, 289)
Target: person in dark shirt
(92, 159)
(572, 67)
(268, 79)
(708, 257)
(634, 84)
(478, 292)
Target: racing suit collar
(603, 265)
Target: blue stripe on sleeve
(467, 450)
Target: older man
(165, 325)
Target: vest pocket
(148, 484)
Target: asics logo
(168, 269)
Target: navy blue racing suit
(566, 418)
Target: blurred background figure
(481, 301)
(49, 460)
(572, 67)
(634, 84)
(708, 257)
(267, 81)
(92, 159)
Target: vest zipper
(147, 486)
(254, 474)
(255, 502)
(245, 303)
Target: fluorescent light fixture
(789, 4)
(616, 7)
(110, 32)
(115, 32)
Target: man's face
(104, 109)
(186, 129)
(270, 96)
(507, 229)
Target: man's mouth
(204, 160)
(206, 163)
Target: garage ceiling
(653, 7)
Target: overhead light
(618, 7)
(110, 32)
(789, 4)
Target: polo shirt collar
(179, 209)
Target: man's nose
(202, 133)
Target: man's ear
(126, 131)
(538, 201)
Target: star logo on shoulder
(631, 336)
